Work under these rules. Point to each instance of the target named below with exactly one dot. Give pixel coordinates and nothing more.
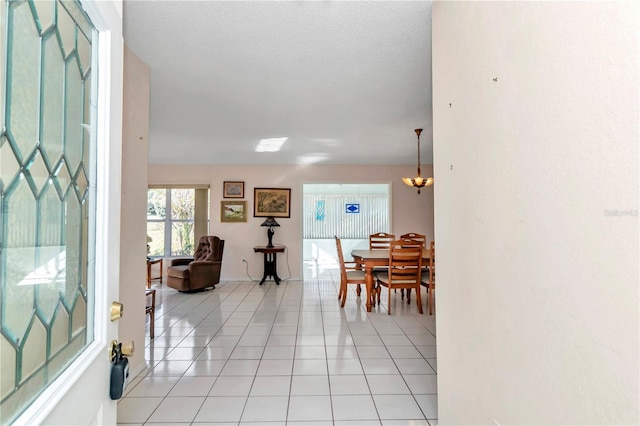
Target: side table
(153, 262)
(270, 265)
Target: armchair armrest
(181, 261)
(202, 270)
(198, 264)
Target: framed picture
(274, 202)
(233, 211)
(233, 189)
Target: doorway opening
(350, 211)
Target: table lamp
(270, 222)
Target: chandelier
(418, 181)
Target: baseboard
(245, 278)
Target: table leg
(368, 278)
(274, 264)
(270, 268)
(148, 275)
(151, 310)
(265, 269)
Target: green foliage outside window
(182, 211)
(177, 228)
(156, 204)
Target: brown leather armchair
(199, 272)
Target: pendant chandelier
(418, 181)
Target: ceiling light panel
(270, 145)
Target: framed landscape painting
(233, 189)
(274, 202)
(233, 211)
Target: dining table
(370, 259)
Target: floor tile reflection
(285, 355)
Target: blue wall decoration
(352, 208)
(320, 210)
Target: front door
(59, 228)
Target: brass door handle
(121, 349)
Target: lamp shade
(418, 182)
(270, 222)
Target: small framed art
(274, 202)
(233, 189)
(233, 211)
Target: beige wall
(410, 211)
(536, 136)
(135, 147)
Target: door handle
(118, 350)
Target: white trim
(52, 394)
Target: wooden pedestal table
(270, 265)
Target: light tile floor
(245, 354)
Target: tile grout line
(320, 288)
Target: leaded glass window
(46, 180)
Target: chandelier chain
(419, 154)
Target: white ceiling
(346, 81)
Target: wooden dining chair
(429, 276)
(349, 274)
(423, 241)
(380, 241)
(410, 242)
(415, 237)
(405, 265)
(432, 275)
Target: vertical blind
(326, 216)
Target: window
(172, 215)
(156, 216)
(350, 211)
(182, 205)
(47, 185)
